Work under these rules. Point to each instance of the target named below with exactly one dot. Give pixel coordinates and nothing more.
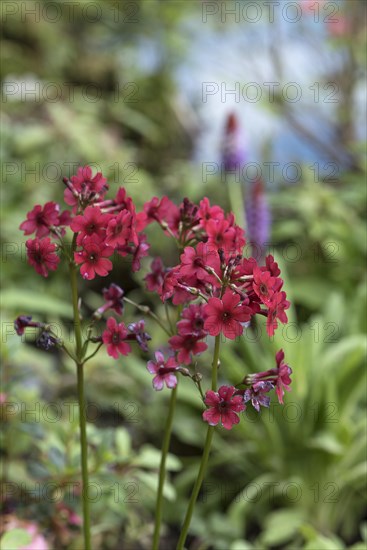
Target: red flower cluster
(217, 289)
(212, 267)
(100, 227)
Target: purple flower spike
(258, 219)
(233, 150)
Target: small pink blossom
(93, 258)
(163, 370)
(41, 255)
(223, 407)
(226, 315)
(114, 337)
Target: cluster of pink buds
(216, 289)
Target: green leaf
(149, 457)
(240, 545)
(30, 302)
(15, 539)
(326, 441)
(324, 543)
(123, 443)
(281, 526)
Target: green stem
(162, 468)
(148, 311)
(82, 407)
(84, 457)
(94, 353)
(204, 458)
(237, 200)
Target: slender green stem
(215, 363)
(84, 457)
(148, 311)
(204, 458)
(94, 353)
(162, 468)
(82, 407)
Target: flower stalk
(204, 458)
(162, 468)
(82, 408)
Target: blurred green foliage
(289, 478)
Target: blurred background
(261, 106)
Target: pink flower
(154, 279)
(220, 235)
(85, 185)
(156, 210)
(283, 376)
(40, 219)
(91, 222)
(263, 285)
(120, 231)
(186, 345)
(194, 261)
(278, 377)
(223, 407)
(272, 266)
(163, 370)
(114, 298)
(24, 321)
(192, 321)
(226, 315)
(41, 255)
(114, 337)
(276, 310)
(207, 212)
(93, 258)
(140, 251)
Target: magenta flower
(154, 279)
(40, 219)
(186, 345)
(223, 407)
(163, 370)
(93, 258)
(159, 210)
(84, 185)
(114, 337)
(226, 315)
(283, 379)
(114, 298)
(41, 255)
(263, 285)
(120, 231)
(278, 377)
(207, 212)
(24, 321)
(276, 310)
(194, 261)
(91, 222)
(192, 321)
